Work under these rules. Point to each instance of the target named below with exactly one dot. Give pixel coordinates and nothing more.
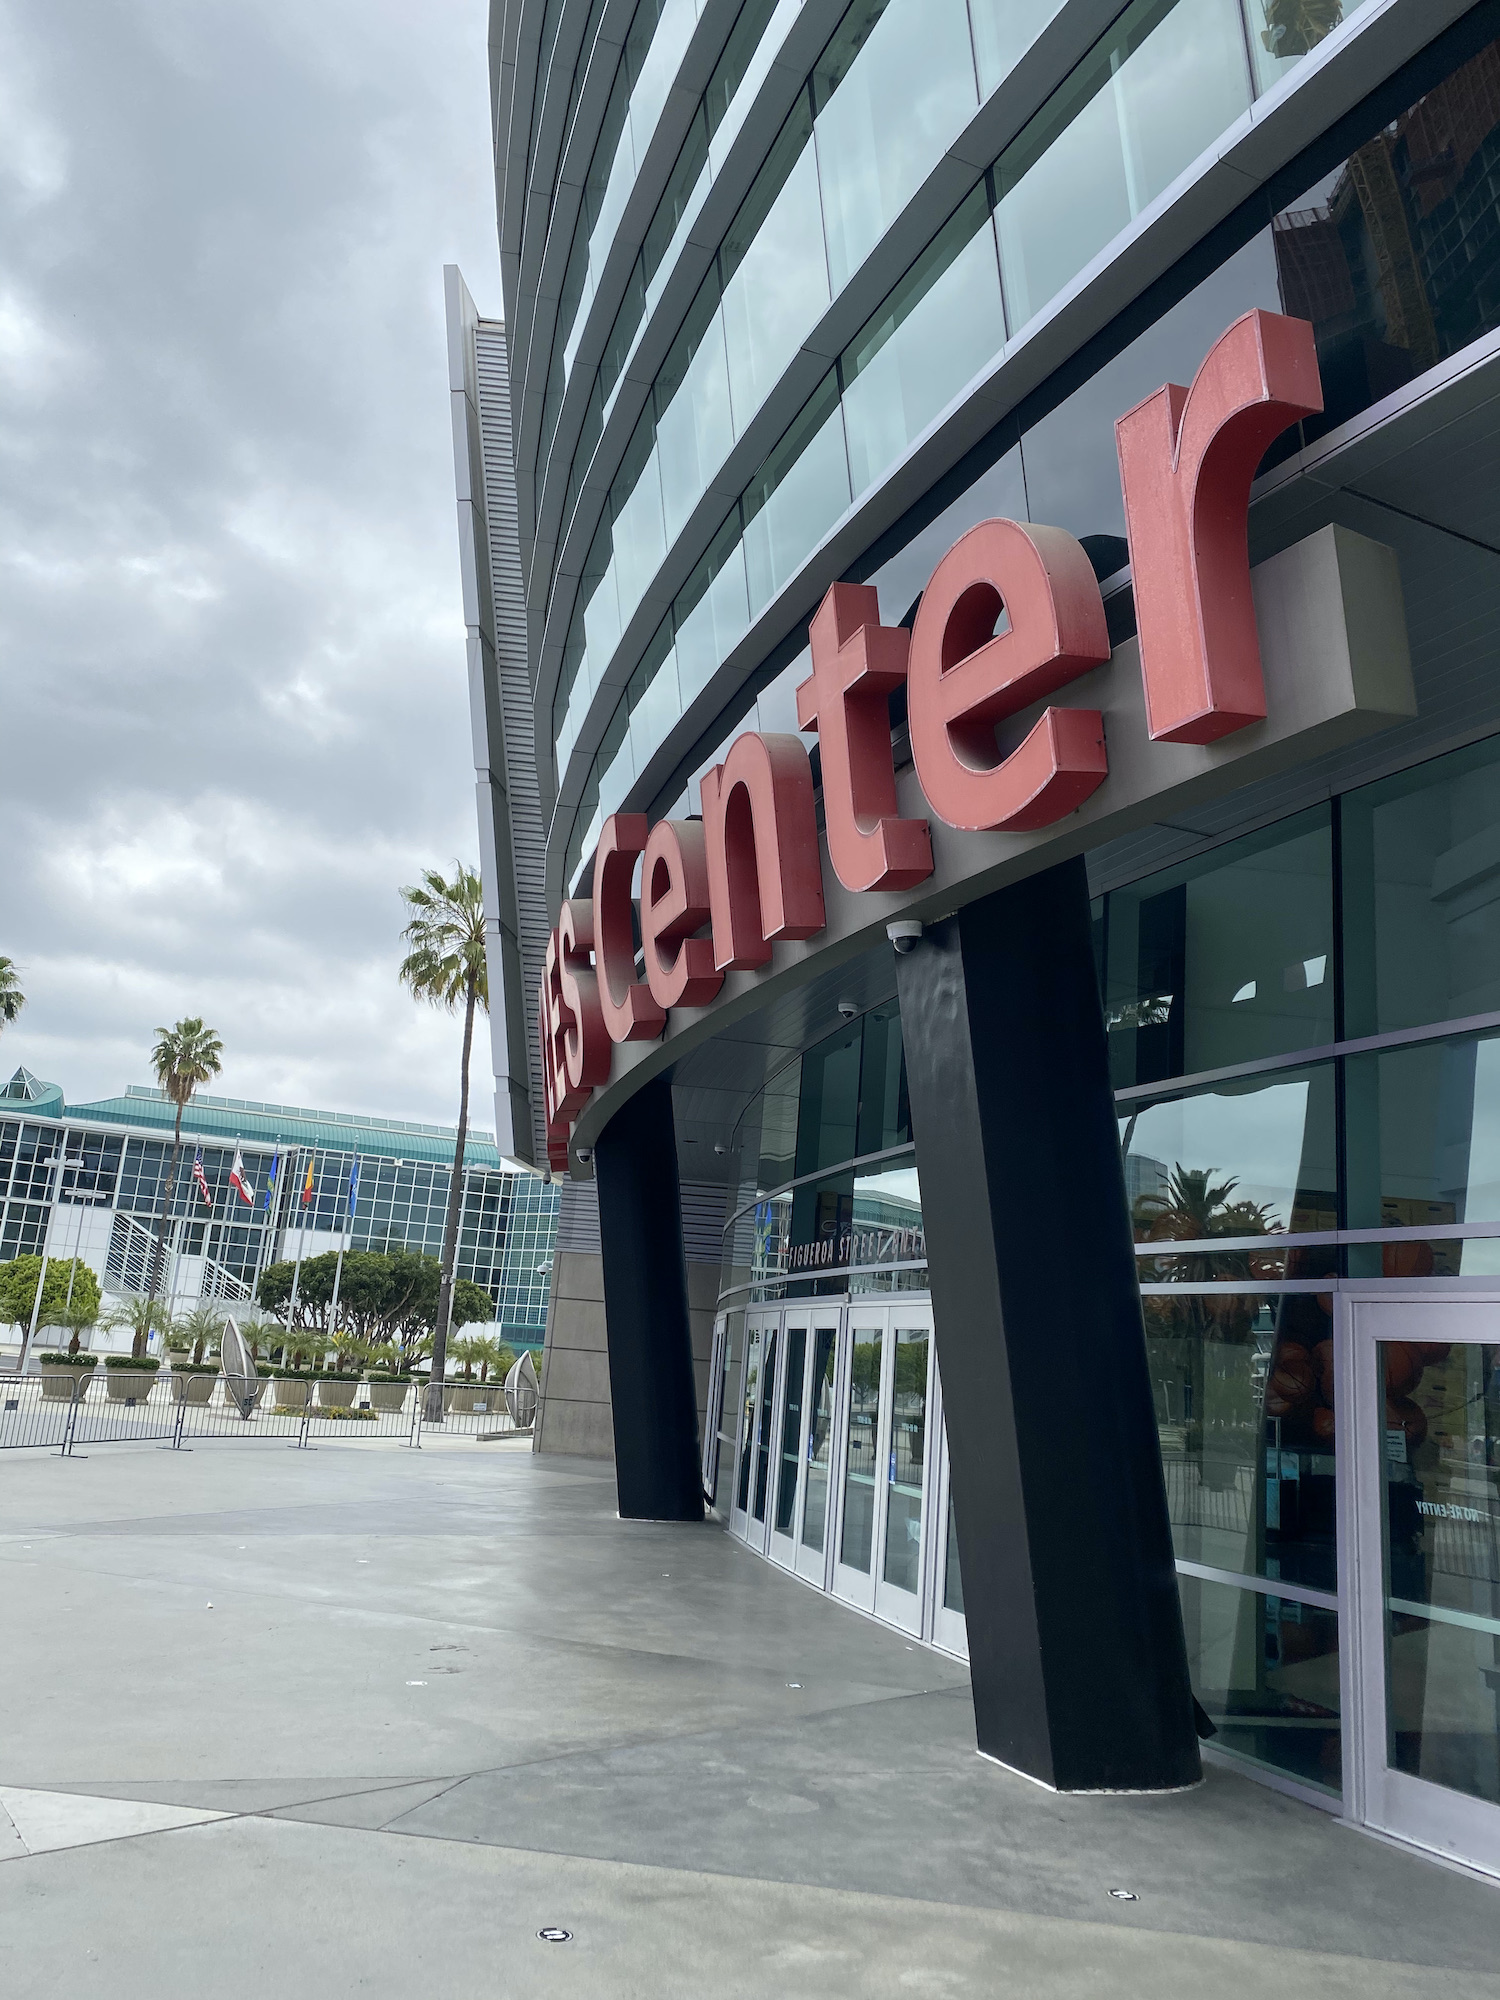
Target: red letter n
(760, 826)
(1187, 457)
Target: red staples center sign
(1011, 616)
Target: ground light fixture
(1124, 1895)
(554, 1934)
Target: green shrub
(294, 1374)
(334, 1415)
(69, 1361)
(195, 1368)
(144, 1363)
(333, 1375)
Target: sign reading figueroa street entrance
(718, 893)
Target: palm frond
(445, 933)
(12, 999)
(185, 1056)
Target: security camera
(904, 936)
(720, 1151)
(583, 1154)
(847, 1010)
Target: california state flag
(243, 1188)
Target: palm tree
(143, 1316)
(184, 1057)
(446, 965)
(12, 999)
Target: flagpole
(267, 1236)
(338, 1269)
(291, 1310)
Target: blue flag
(271, 1181)
(353, 1185)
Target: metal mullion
(1416, 1233)
(1437, 1031)
(1267, 1586)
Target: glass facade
(505, 1235)
(979, 282)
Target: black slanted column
(658, 1473)
(1075, 1632)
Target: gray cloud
(232, 709)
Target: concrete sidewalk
(443, 1700)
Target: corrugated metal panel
(578, 1218)
(705, 1209)
(523, 797)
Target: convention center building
(981, 549)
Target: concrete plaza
(366, 1720)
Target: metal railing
(62, 1411)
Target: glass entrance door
(884, 1493)
(1426, 1380)
(790, 1428)
(754, 1466)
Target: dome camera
(904, 936)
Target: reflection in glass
(828, 1110)
(1266, 1669)
(859, 1462)
(1421, 866)
(1152, 95)
(693, 427)
(1238, 1160)
(712, 610)
(800, 492)
(1244, 1392)
(791, 1430)
(934, 333)
(1225, 959)
(1389, 256)
(1442, 1562)
(763, 1426)
(1423, 1137)
(953, 1583)
(1003, 31)
(1282, 32)
(775, 271)
(888, 1214)
(907, 1461)
(904, 76)
(819, 1438)
(747, 1417)
(884, 1112)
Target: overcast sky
(232, 707)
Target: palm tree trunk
(434, 1414)
(138, 1344)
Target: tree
(12, 999)
(143, 1316)
(184, 1057)
(471, 1302)
(18, 1283)
(77, 1316)
(446, 964)
(202, 1328)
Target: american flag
(199, 1177)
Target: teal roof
(221, 1118)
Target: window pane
(1267, 1671)
(859, 1464)
(1383, 255)
(639, 543)
(827, 1117)
(801, 492)
(693, 431)
(953, 1583)
(1442, 1563)
(906, 1466)
(790, 1467)
(1223, 960)
(747, 1418)
(1003, 31)
(940, 327)
(1140, 107)
(1282, 32)
(891, 90)
(884, 1113)
(653, 698)
(888, 1216)
(1422, 894)
(763, 1428)
(1244, 1392)
(712, 610)
(775, 271)
(819, 1439)
(1423, 1143)
(1242, 1159)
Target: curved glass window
(1098, 153)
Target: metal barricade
(61, 1412)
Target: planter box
(466, 1397)
(194, 1389)
(58, 1383)
(336, 1395)
(388, 1395)
(292, 1394)
(129, 1385)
